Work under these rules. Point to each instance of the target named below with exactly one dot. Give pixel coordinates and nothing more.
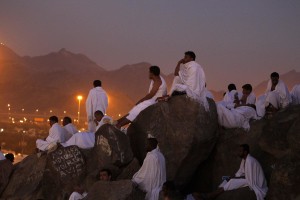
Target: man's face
(241, 152)
(104, 176)
(274, 80)
(98, 117)
(246, 92)
(187, 58)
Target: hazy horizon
(235, 41)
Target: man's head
(105, 175)
(10, 157)
(98, 115)
(244, 150)
(53, 120)
(151, 144)
(231, 87)
(189, 56)
(97, 83)
(274, 78)
(154, 71)
(247, 89)
(66, 121)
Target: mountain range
(52, 82)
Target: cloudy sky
(235, 40)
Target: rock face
(274, 143)
(6, 168)
(50, 176)
(115, 190)
(185, 131)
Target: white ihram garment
(135, 111)
(71, 130)
(96, 100)
(295, 93)
(57, 134)
(235, 118)
(77, 196)
(2, 157)
(85, 140)
(254, 178)
(191, 80)
(152, 175)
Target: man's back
(97, 100)
(57, 134)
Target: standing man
(96, 100)
(190, 79)
(152, 175)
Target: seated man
(248, 97)
(57, 134)
(249, 175)
(86, 140)
(190, 79)
(152, 175)
(237, 117)
(295, 93)
(277, 96)
(69, 126)
(158, 88)
(230, 96)
(78, 193)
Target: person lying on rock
(189, 79)
(57, 134)
(86, 140)
(152, 175)
(250, 174)
(238, 117)
(158, 88)
(277, 96)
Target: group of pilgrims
(234, 111)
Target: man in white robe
(190, 79)
(152, 175)
(69, 127)
(86, 140)
(57, 134)
(158, 88)
(277, 96)
(295, 93)
(78, 193)
(96, 100)
(247, 97)
(238, 117)
(250, 174)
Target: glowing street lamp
(79, 98)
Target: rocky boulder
(115, 190)
(185, 131)
(6, 167)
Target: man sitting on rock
(249, 175)
(189, 79)
(277, 96)
(86, 140)
(158, 88)
(57, 134)
(78, 193)
(69, 126)
(248, 97)
(152, 175)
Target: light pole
(79, 98)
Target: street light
(79, 98)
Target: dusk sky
(240, 41)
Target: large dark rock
(239, 194)
(271, 143)
(51, 176)
(115, 190)
(185, 131)
(6, 168)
